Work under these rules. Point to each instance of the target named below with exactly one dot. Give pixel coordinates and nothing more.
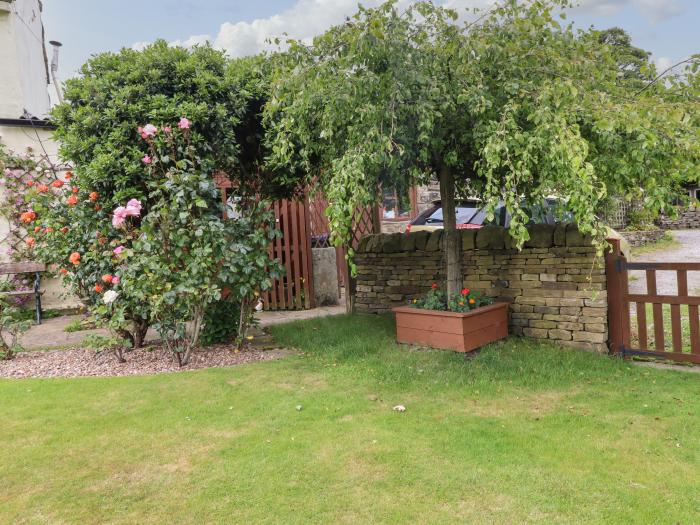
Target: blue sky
(668, 28)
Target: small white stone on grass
(299, 407)
(399, 408)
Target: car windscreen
(464, 215)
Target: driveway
(666, 284)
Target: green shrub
(220, 322)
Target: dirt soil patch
(80, 362)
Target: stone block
(434, 243)
(541, 236)
(421, 239)
(560, 335)
(325, 276)
(539, 333)
(468, 239)
(490, 237)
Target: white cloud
(663, 63)
(308, 18)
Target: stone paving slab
(51, 333)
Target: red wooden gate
(294, 290)
(627, 339)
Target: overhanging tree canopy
(512, 107)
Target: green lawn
(523, 433)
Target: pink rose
(117, 251)
(115, 280)
(119, 216)
(184, 123)
(149, 130)
(133, 208)
(147, 159)
(167, 129)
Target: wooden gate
(294, 290)
(675, 335)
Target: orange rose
(68, 175)
(48, 230)
(93, 196)
(27, 217)
(74, 189)
(63, 271)
(107, 278)
(30, 183)
(99, 288)
(64, 229)
(74, 258)
(42, 188)
(37, 229)
(57, 183)
(72, 200)
(30, 241)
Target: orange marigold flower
(57, 183)
(107, 278)
(30, 241)
(471, 301)
(42, 188)
(99, 288)
(461, 303)
(72, 200)
(93, 196)
(74, 258)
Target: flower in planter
(464, 301)
(74, 258)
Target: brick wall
(554, 284)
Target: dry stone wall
(687, 219)
(555, 285)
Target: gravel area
(82, 362)
(666, 283)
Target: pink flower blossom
(149, 130)
(119, 216)
(184, 123)
(147, 159)
(133, 208)
(167, 129)
(115, 280)
(117, 251)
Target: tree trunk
(140, 329)
(452, 236)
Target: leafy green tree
(633, 62)
(512, 107)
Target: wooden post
(613, 275)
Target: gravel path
(152, 360)
(666, 284)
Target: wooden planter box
(462, 332)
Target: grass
(667, 242)
(668, 330)
(524, 432)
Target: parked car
(471, 214)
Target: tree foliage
(512, 107)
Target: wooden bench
(26, 267)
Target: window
(397, 204)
